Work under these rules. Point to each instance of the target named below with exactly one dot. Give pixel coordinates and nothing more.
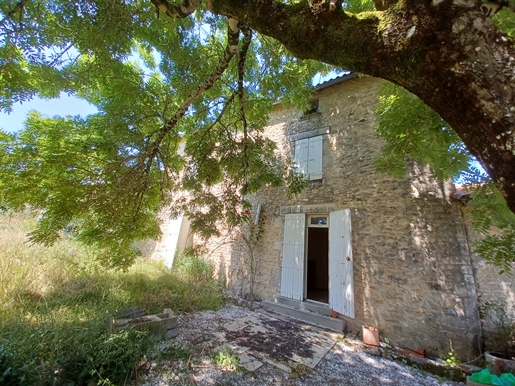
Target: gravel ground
(189, 359)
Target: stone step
(320, 308)
(305, 311)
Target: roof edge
(338, 79)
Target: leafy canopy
(181, 104)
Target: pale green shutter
(341, 280)
(315, 158)
(292, 270)
(301, 156)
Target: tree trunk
(448, 53)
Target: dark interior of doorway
(318, 265)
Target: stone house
(383, 252)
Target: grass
(55, 303)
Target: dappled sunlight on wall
(425, 185)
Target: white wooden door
(341, 280)
(292, 270)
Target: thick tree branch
(448, 53)
(309, 32)
(247, 37)
(230, 50)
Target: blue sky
(65, 105)
(69, 105)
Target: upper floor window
(313, 107)
(308, 157)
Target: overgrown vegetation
(56, 302)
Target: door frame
(340, 259)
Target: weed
(174, 352)
(452, 358)
(386, 340)
(298, 371)
(228, 360)
(499, 327)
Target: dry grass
(55, 302)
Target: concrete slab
(261, 338)
(249, 362)
(279, 365)
(304, 314)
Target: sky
(69, 105)
(64, 105)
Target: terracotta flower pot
(370, 336)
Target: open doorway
(317, 276)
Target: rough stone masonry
(415, 277)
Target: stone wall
(415, 277)
(496, 294)
(413, 272)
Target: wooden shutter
(301, 155)
(341, 280)
(170, 236)
(292, 271)
(315, 158)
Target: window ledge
(310, 116)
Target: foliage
(413, 130)
(505, 20)
(491, 217)
(358, 6)
(56, 301)
(228, 360)
(181, 105)
(154, 142)
(451, 359)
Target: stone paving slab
(260, 338)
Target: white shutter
(341, 280)
(301, 156)
(292, 272)
(315, 158)
(170, 238)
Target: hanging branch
(230, 50)
(247, 37)
(223, 64)
(18, 7)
